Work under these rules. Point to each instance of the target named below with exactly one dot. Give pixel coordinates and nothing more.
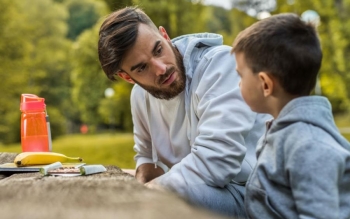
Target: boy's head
(284, 48)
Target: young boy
(303, 168)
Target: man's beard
(176, 87)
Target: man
(193, 132)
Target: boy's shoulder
(307, 119)
(303, 140)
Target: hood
(190, 47)
(314, 110)
(186, 45)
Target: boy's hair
(284, 46)
(117, 35)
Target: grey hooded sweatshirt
(303, 167)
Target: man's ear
(163, 32)
(125, 77)
(267, 83)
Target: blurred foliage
(83, 15)
(87, 77)
(334, 31)
(176, 16)
(33, 50)
(49, 48)
(114, 5)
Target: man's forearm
(148, 171)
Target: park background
(49, 48)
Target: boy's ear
(163, 32)
(267, 83)
(125, 77)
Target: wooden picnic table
(111, 194)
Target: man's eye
(141, 68)
(159, 51)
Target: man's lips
(169, 79)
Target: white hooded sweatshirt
(205, 135)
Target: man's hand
(148, 171)
(152, 185)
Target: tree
(334, 35)
(33, 59)
(87, 77)
(176, 16)
(114, 5)
(83, 15)
(10, 56)
(116, 110)
(253, 7)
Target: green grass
(347, 136)
(343, 120)
(107, 149)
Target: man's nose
(159, 67)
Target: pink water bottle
(35, 127)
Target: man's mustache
(167, 73)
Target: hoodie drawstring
(154, 151)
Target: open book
(58, 169)
(10, 168)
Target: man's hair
(284, 46)
(117, 35)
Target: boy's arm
(315, 170)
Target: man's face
(154, 64)
(250, 84)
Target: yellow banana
(42, 158)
